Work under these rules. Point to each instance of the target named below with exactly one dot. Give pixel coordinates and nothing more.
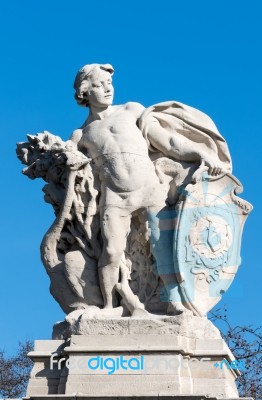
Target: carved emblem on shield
(207, 240)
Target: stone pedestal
(121, 358)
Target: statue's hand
(73, 158)
(214, 167)
(76, 160)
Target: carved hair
(81, 83)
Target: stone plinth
(79, 396)
(121, 358)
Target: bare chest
(114, 134)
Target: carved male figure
(111, 138)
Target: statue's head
(88, 78)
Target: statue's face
(101, 91)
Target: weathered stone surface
(159, 396)
(77, 323)
(147, 216)
(145, 242)
(172, 365)
(79, 396)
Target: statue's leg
(161, 224)
(115, 226)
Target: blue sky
(204, 53)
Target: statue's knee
(113, 255)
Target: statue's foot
(110, 312)
(111, 303)
(107, 307)
(78, 306)
(140, 313)
(177, 308)
(96, 312)
(110, 306)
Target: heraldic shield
(210, 220)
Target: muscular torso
(118, 149)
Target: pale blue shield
(207, 238)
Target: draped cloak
(198, 129)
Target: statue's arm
(179, 147)
(76, 136)
(75, 140)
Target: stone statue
(145, 241)
(147, 220)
